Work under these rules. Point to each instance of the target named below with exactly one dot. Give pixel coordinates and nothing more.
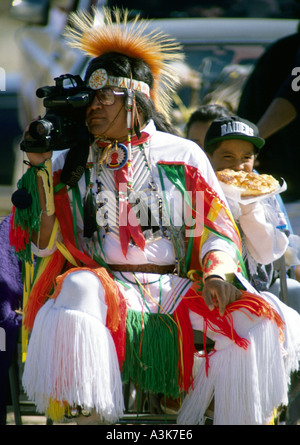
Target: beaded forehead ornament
(99, 79)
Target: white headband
(99, 79)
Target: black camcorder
(63, 125)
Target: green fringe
(152, 354)
(29, 219)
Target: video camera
(64, 122)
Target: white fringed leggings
(246, 385)
(71, 354)
(72, 358)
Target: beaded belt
(147, 268)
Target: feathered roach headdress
(119, 35)
(115, 34)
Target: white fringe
(72, 357)
(291, 344)
(246, 384)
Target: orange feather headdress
(116, 33)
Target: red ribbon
(129, 226)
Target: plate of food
(248, 187)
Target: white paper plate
(234, 193)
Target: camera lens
(40, 129)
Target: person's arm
(218, 257)
(41, 239)
(280, 113)
(264, 241)
(218, 272)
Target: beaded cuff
(218, 263)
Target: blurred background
(222, 40)
(9, 126)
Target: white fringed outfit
(73, 356)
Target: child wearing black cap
(234, 143)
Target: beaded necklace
(140, 194)
(153, 207)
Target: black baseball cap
(232, 127)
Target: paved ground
(26, 420)
(29, 419)
(8, 48)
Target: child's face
(235, 154)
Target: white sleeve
(214, 243)
(264, 241)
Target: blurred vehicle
(220, 53)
